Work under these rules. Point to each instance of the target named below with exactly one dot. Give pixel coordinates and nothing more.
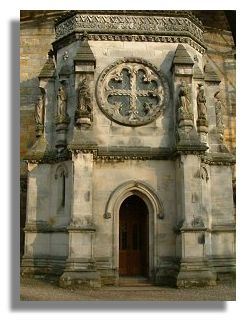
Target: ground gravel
(49, 290)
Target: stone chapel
(129, 174)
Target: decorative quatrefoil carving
(132, 92)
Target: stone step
(134, 281)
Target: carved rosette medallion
(132, 92)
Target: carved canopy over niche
(132, 92)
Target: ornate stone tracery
(131, 92)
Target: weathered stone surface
(79, 176)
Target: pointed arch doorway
(133, 237)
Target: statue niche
(39, 115)
(202, 122)
(219, 116)
(61, 115)
(184, 110)
(83, 114)
(184, 106)
(201, 103)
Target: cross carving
(133, 92)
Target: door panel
(133, 234)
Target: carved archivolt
(132, 92)
(134, 188)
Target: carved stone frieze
(134, 27)
(138, 38)
(132, 92)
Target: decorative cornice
(193, 229)
(44, 227)
(160, 26)
(173, 13)
(220, 159)
(123, 153)
(231, 227)
(81, 228)
(47, 157)
(192, 149)
(175, 38)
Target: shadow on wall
(169, 113)
(29, 92)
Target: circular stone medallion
(131, 92)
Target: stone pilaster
(80, 267)
(36, 215)
(192, 229)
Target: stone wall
(37, 34)
(36, 37)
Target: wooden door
(133, 234)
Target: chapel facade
(130, 174)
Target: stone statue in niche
(39, 115)
(61, 101)
(84, 97)
(83, 114)
(39, 110)
(184, 100)
(201, 103)
(218, 110)
(219, 116)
